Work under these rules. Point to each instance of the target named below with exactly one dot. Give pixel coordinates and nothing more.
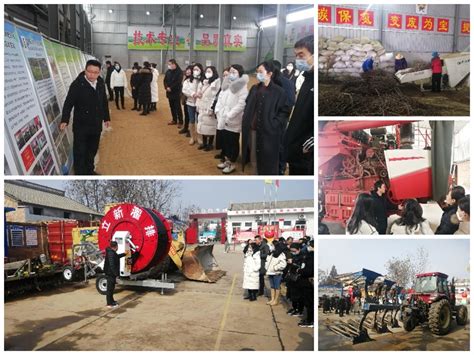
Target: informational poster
(77, 60)
(61, 61)
(208, 40)
(16, 236)
(31, 236)
(70, 62)
(61, 90)
(24, 120)
(157, 38)
(296, 30)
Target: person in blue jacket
(368, 65)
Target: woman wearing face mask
(134, 82)
(118, 80)
(220, 127)
(290, 72)
(463, 216)
(190, 87)
(144, 89)
(229, 111)
(173, 83)
(264, 122)
(190, 92)
(154, 87)
(188, 75)
(206, 94)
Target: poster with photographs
(26, 129)
(56, 74)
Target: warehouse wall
(416, 45)
(110, 32)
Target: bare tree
(87, 192)
(403, 270)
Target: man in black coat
(381, 206)
(299, 137)
(173, 82)
(112, 271)
(446, 225)
(88, 98)
(108, 76)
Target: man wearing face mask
(118, 81)
(173, 83)
(88, 98)
(299, 139)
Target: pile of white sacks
(344, 56)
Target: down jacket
(231, 104)
(189, 89)
(154, 85)
(118, 79)
(206, 119)
(275, 265)
(251, 270)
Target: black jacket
(144, 85)
(301, 126)
(91, 106)
(109, 75)
(112, 265)
(307, 269)
(272, 116)
(134, 83)
(381, 205)
(173, 80)
(446, 226)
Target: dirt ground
(146, 145)
(420, 338)
(445, 103)
(194, 316)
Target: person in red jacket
(437, 69)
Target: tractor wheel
(101, 284)
(461, 315)
(68, 273)
(409, 323)
(439, 318)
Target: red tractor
(433, 302)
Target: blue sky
(448, 256)
(218, 194)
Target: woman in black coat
(134, 83)
(144, 91)
(264, 122)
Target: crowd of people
(370, 214)
(283, 261)
(270, 125)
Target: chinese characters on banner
(324, 14)
(394, 21)
(427, 23)
(443, 25)
(366, 18)
(344, 16)
(465, 27)
(208, 40)
(411, 22)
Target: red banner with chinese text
(366, 18)
(411, 22)
(394, 21)
(324, 14)
(344, 16)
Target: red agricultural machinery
(433, 301)
(351, 160)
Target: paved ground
(420, 339)
(146, 145)
(195, 316)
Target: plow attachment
(199, 264)
(382, 316)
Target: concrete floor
(195, 316)
(420, 338)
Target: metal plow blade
(350, 329)
(200, 265)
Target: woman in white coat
(206, 95)
(276, 263)
(252, 265)
(118, 82)
(229, 111)
(362, 220)
(154, 87)
(190, 88)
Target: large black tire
(409, 323)
(461, 315)
(68, 273)
(101, 284)
(439, 318)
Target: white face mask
(289, 67)
(117, 67)
(459, 215)
(233, 76)
(196, 73)
(208, 75)
(169, 67)
(135, 71)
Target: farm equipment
(456, 68)
(352, 160)
(433, 301)
(145, 236)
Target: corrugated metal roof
(30, 193)
(279, 204)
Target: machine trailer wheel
(101, 284)
(461, 315)
(439, 318)
(409, 323)
(68, 273)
